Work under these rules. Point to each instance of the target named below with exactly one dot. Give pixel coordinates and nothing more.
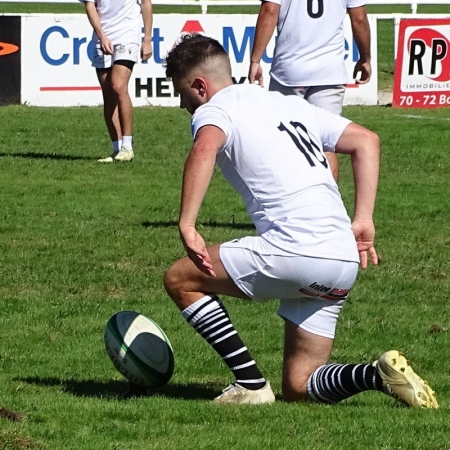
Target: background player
(309, 53)
(117, 39)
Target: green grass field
(80, 241)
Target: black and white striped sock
(211, 320)
(333, 383)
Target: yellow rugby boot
(401, 382)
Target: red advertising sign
(422, 69)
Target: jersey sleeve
(278, 2)
(331, 126)
(211, 115)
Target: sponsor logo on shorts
(121, 49)
(319, 287)
(325, 292)
(7, 49)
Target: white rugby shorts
(128, 52)
(330, 98)
(311, 290)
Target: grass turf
(80, 241)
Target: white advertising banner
(56, 58)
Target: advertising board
(56, 58)
(422, 70)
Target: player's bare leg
(304, 352)
(120, 77)
(195, 294)
(110, 112)
(185, 283)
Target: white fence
(203, 4)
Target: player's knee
(292, 394)
(371, 138)
(295, 389)
(119, 88)
(173, 282)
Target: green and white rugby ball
(139, 349)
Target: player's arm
(265, 26)
(198, 171)
(147, 18)
(361, 34)
(94, 20)
(364, 148)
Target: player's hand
(364, 232)
(146, 50)
(196, 250)
(366, 71)
(106, 46)
(255, 74)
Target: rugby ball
(139, 349)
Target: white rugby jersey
(120, 19)
(310, 45)
(274, 158)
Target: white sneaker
(125, 155)
(109, 159)
(401, 382)
(235, 393)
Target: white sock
(127, 142)
(116, 145)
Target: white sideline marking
(413, 116)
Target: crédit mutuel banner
(56, 58)
(422, 70)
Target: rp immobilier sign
(422, 69)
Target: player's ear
(200, 84)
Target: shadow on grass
(114, 390)
(211, 223)
(35, 155)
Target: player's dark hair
(191, 51)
